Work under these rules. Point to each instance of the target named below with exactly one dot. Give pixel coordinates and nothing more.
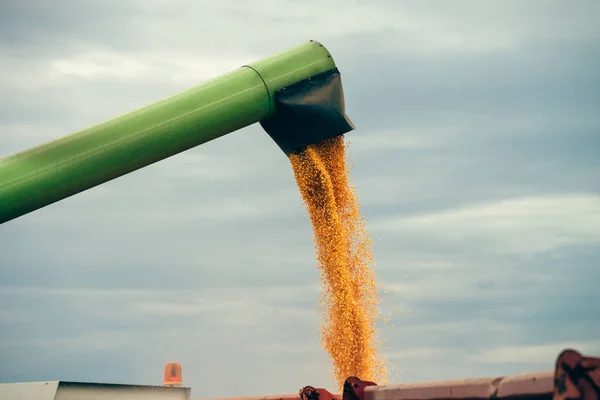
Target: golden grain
(349, 297)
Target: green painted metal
(56, 170)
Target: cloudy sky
(475, 157)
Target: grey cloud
(27, 24)
(231, 322)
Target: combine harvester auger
(295, 95)
(298, 99)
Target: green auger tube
(296, 95)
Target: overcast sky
(475, 158)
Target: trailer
(575, 377)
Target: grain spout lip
(309, 112)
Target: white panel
(91, 391)
(28, 391)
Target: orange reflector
(173, 374)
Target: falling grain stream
(349, 296)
